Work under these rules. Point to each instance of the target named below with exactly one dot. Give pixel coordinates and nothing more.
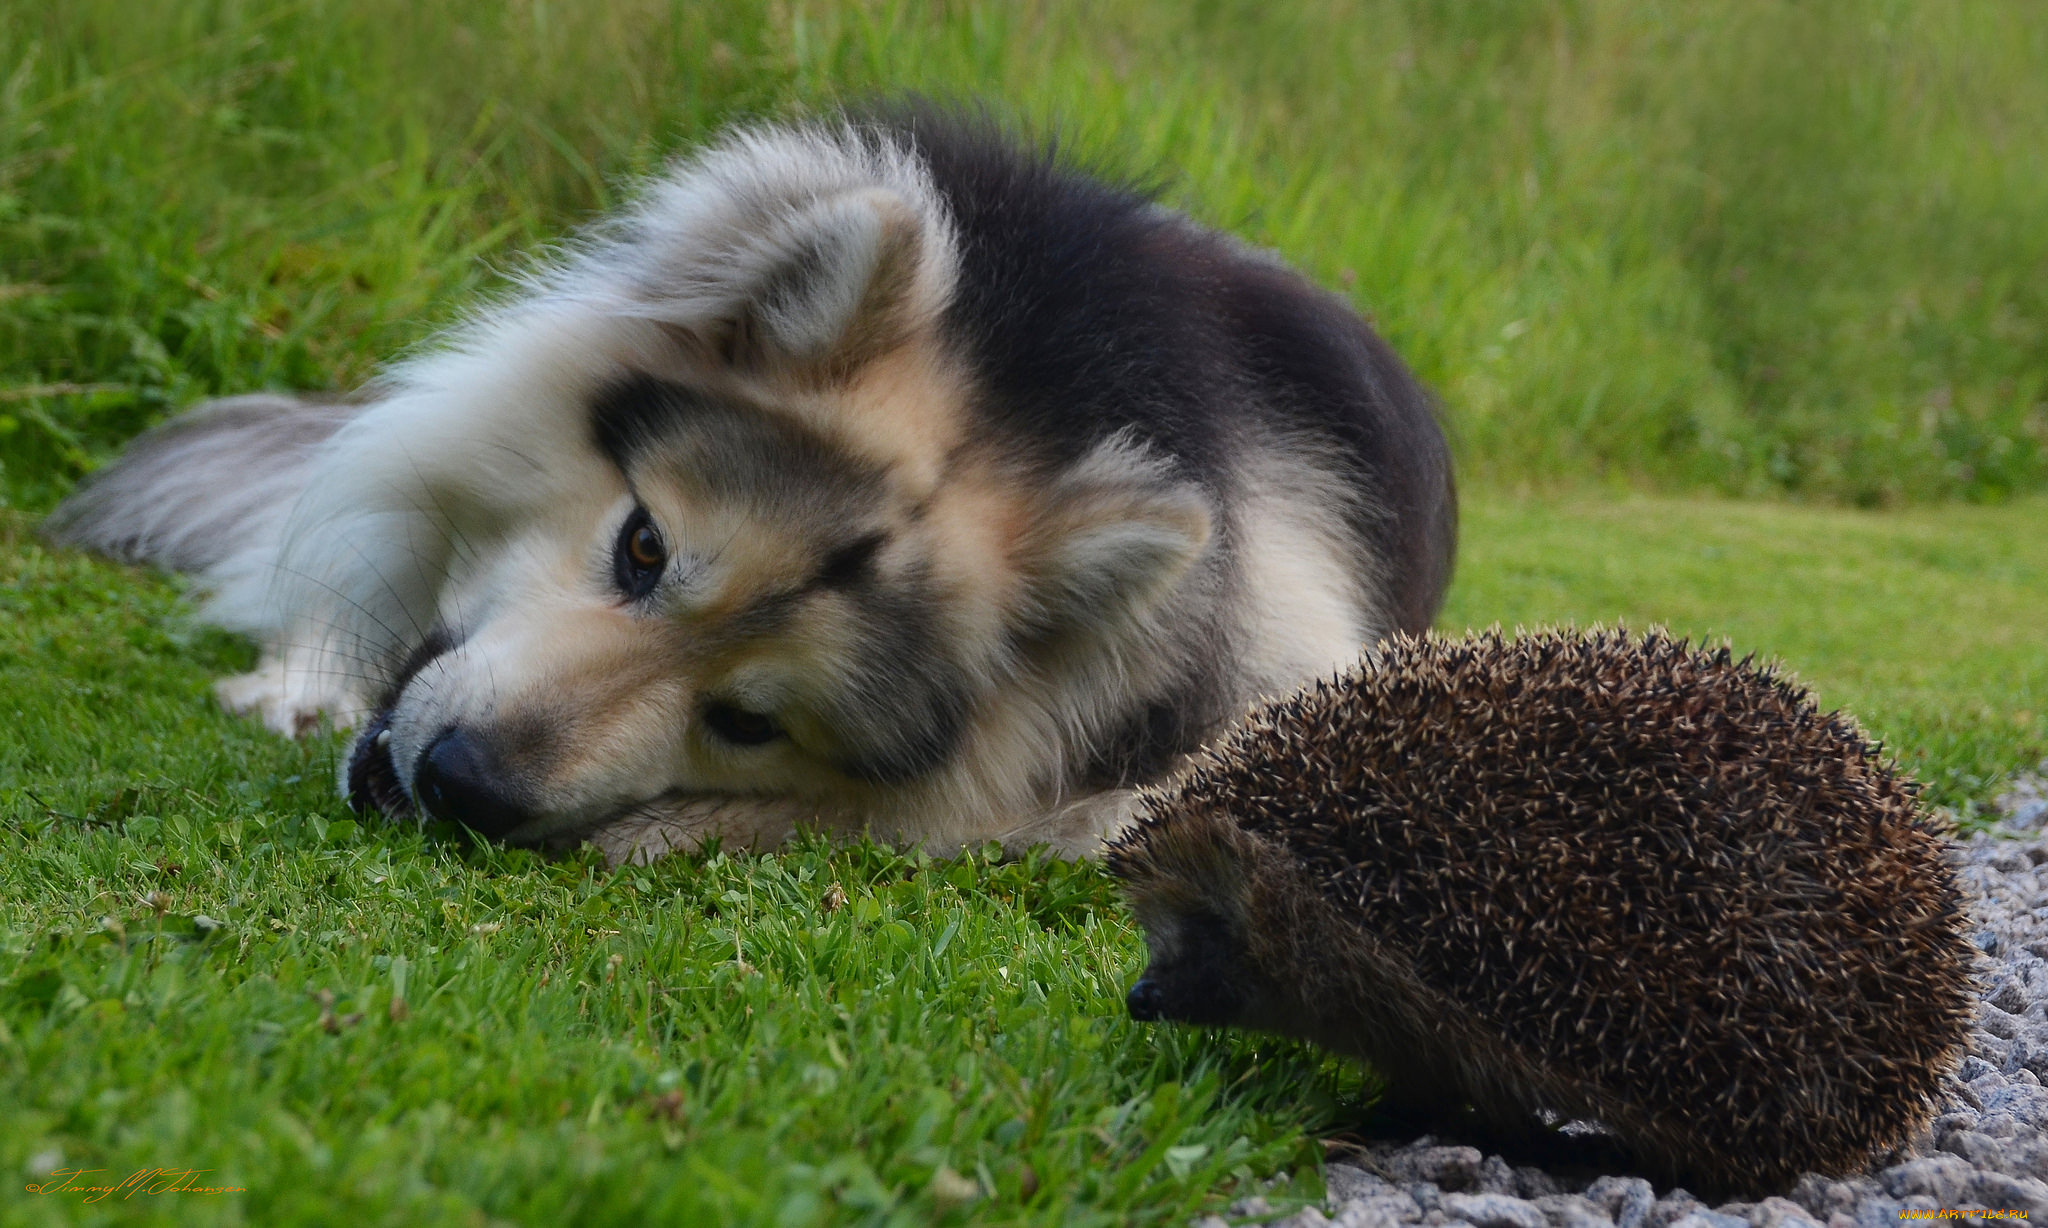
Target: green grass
(1761, 248)
(1930, 625)
(708, 1040)
(700, 1041)
(1651, 254)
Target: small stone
(1532, 1182)
(1998, 1022)
(1670, 1209)
(1450, 1168)
(1494, 1211)
(1389, 1209)
(1710, 1219)
(1780, 1213)
(1627, 1200)
(1811, 1192)
(2009, 859)
(1878, 1213)
(1571, 1211)
(2000, 1192)
(1210, 1221)
(1254, 1206)
(1495, 1177)
(2027, 1104)
(1350, 1183)
(1980, 1150)
(2027, 1158)
(1942, 1178)
(2007, 995)
(2032, 973)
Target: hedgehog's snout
(1147, 1002)
(1195, 974)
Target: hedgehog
(1571, 877)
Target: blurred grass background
(1766, 248)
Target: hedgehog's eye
(640, 555)
(738, 726)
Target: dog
(883, 471)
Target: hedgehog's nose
(457, 779)
(1146, 1002)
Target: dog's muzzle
(456, 779)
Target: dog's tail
(213, 483)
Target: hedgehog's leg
(1407, 1106)
(1504, 1127)
(1399, 1122)
(1416, 1099)
(1493, 1121)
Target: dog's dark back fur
(1090, 310)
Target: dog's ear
(1117, 533)
(202, 487)
(816, 295)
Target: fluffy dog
(882, 472)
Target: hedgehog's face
(1198, 886)
(1199, 972)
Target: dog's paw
(639, 841)
(686, 824)
(1078, 830)
(289, 700)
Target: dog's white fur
(394, 522)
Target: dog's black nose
(1145, 1002)
(457, 780)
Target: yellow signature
(82, 1181)
(1963, 1213)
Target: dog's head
(710, 514)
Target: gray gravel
(1987, 1148)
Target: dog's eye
(740, 727)
(640, 554)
